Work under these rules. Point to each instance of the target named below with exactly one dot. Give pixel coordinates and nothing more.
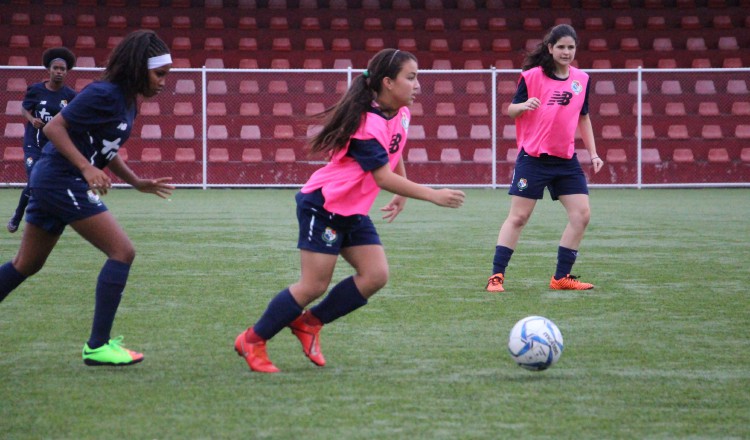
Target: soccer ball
(535, 343)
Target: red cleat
(254, 353)
(307, 329)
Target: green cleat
(111, 353)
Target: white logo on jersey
(110, 148)
(123, 126)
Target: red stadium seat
(310, 24)
(737, 87)
(183, 109)
(708, 109)
(447, 132)
(742, 131)
(373, 24)
(181, 22)
(22, 19)
(611, 132)
(151, 154)
(416, 155)
(278, 87)
(711, 132)
(616, 155)
(410, 44)
(247, 23)
(250, 155)
(675, 109)
(511, 154)
(745, 154)
(282, 109)
(16, 85)
(480, 132)
(341, 45)
(216, 109)
(86, 21)
(469, 25)
(624, 23)
(450, 155)
(13, 108)
(441, 65)
(609, 109)
(434, 24)
(214, 23)
(728, 43)
(442, 87)
(650, 155)
(184, 86)
(340, 24)
(150, 131)
(705, 87)
(678, 131)
(184, 155)
(683, 155)
(718, 155)
(20, 60)
(181, 43)
(251, 132)
(416, 132)
(281, 44)
(445, 109)
(741, 108)
(374, 44)
(219, 155)
(497, 24)
(283, 132)
(14, 130)
(690, 22)
(483, 155)
(671, 87)
(248, 44)
(184, 132)
(216, 87)
(150, 22)
(314, 45)
(150, 108)
(285, 155)
(117, 22)
(696, 44)
(278, 23)
(49, 41)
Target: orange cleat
(569, 282)
(307, 329)
(495, 283)
(254, 354)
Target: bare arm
(516, 110)
(397, 184)
(587, 135)
(36, 122)
(152, 186)
(57, 132)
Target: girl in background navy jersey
(68, 179)
(551, 102)
(42, 102)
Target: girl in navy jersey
(550, 103)
(68, 179)
(364, 136)
(42, 102)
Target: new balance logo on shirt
(560, 98)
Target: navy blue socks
(565, 260)
(109, 288)
(343, 299)
(10, 278)
(281, 311)
(501, 260)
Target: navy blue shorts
(327, 233)
(30, 156)
(54, 208)
(561, 176)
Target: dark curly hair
(63, 53)
(127, 65)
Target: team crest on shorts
(522, 184)
(405, 121)
(29, 161)
(93, 197)
(329, 235)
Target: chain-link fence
(235, 127)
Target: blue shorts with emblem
(30, 155)
(54, 208)
(533, 174)
(327, 233)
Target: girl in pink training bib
(364, 135)
(550, 103)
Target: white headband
(158, 61)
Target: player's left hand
(155, 186)
(393, 208)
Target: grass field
(660, 349)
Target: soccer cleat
(495, 283)
(254, 354)
(12, 225)
(307, 329)
(111, 353)
(569, 282)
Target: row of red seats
(433, 24)
(404, 5)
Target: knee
(374, 280)
(518, 220)
(581, 217)
(26, 267)
(125, 255)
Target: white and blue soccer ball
(535, 343)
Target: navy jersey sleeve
(522, 93)
(585, 108)
(92, 107)
(31, 99)
(368, 153)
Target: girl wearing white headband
(68, 179)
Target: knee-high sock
(501, 260)
(566, 258)
(343, 299)
(281, 311)
(10, 278)
(23, 201)
(109, 288)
